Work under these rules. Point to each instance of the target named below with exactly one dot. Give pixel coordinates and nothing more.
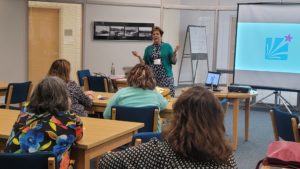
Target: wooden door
(43, 42)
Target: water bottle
(112, 69)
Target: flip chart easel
(197, 49)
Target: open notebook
(212, 80)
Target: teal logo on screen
(277, 48)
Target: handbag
(282, 154)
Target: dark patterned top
(156, 154)
(160, 74)
(79, 100)
(45, 132)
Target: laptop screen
(212, 79)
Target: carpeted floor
(260, 135)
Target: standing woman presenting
(160, 57)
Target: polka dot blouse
(156, 154)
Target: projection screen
(267, 53)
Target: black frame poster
(122, 31)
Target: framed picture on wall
(122, 31)
(145, 32)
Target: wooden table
(3, 88)
(100, 104)
(233, 96)
(235, 99)
(99, 136)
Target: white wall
(144, 2)
(223, 52)
(171, 26)
(199, 18)
(13, 40)
(99, 54)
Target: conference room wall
(132, 2)
(174, 22)
(226, 38)
(171, 26)
(13, 40)
(100, 54)
(191, 17)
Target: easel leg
(285, 103)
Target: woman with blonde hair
(194, 139)
(140, 92)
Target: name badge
(157, 62)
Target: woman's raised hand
(176, 48)
(135, 53)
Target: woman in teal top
(160, 57)
(141, 92)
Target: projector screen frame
(234, 63)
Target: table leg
(247, 114)
(81, 159)
(2, 92)
(235, 117)
(2, 144)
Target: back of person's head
(197, 131)
(141, 76)
(50, 95)
(60, 68)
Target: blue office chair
(144, 137)
(17, 93)
(96, 83)
(285, 125)
(147, 115)
(40, 160)
(81, 74)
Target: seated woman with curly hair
(47, 125)
(194, 139)
(140, 92)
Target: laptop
(212, 80)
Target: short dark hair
(60, 68)
(50, 95)
(197, 131)
(157, 28)
(141, 76)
